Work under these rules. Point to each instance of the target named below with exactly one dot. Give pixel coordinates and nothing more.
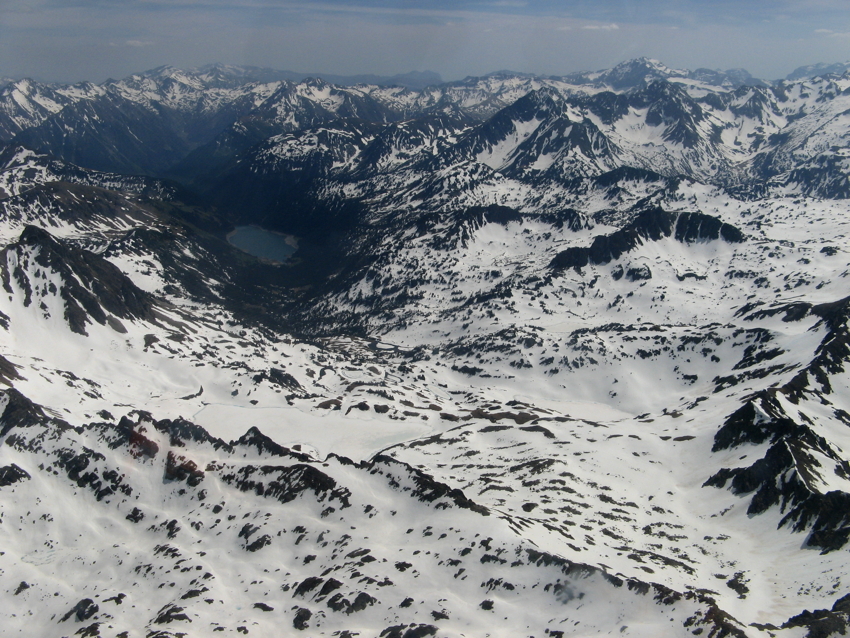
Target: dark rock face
(302, 616)
(745, 425)
(694, 227)
(338, 603)
(179, 468)
(127, 434)
(627, 173)
(8, 370)
(639, 273)
(427, 489)
(20, 412)
(788, 475)
(263, 445)
(11, 474)
(651, 225)
(136, 515)
(180, 430)
(258, 543)
(823, 623)
(671, 106)
(171, 613)
(92, 288)
(83, 610)
(784, 477)
(307, 585)
(279, 378)
(403, 631)
(494, 214)
(286, 483)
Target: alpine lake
(263, 244)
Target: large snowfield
(552, 398)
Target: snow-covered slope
(555, 356)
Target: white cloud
(601, 27)
(833, 34)
(506, 3)
(138, 43)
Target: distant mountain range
(190, 125)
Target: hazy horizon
(331, 75)
(70, 41)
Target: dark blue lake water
(263, 243)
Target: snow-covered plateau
(554, 356)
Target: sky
(74, 40)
